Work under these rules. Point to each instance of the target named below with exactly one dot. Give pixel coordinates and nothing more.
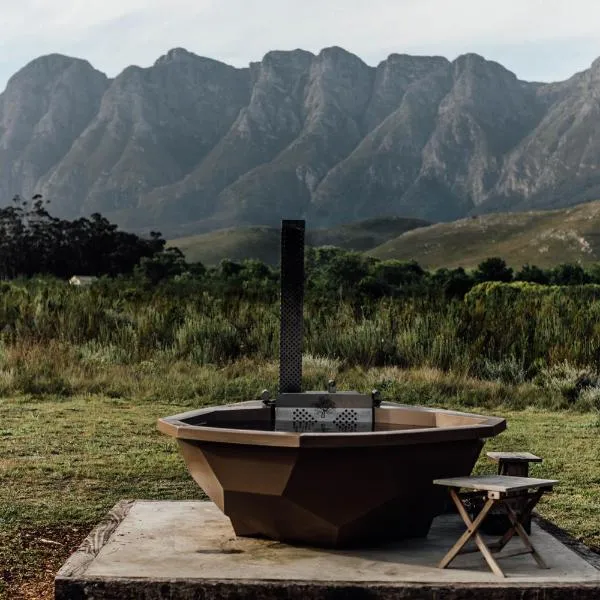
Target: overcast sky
(544, 40)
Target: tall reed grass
(523, 326)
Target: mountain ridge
(322, 136)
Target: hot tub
(330, 489)
(325, 468)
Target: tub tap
(376, 396)
(265, 396)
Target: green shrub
(504, 332)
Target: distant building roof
(82, 279)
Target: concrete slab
(159, 550)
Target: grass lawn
(64, 462)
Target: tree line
(336, 275)
(33, 242)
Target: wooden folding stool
(497, 490)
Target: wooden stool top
(496, 483)
(514, 457)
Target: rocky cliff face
(44, 110)
(151, 128)
(558, 162)
(323, 136)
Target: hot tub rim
(175, 426)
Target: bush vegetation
(536, 327)
(60, 339)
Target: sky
(539, 40)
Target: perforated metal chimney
(307, 411)
(292, 303)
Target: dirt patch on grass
(34, 590)
(30, 558)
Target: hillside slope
(543, 238)
(263, 243)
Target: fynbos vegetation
(512, 333)
(534, 327)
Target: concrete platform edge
(78, 562)
(72, 584)
(134, 589)
(569, 541)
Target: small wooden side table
(516, 464)
(498, 490)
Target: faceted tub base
(329, 489)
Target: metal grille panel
(292, 300)
(314, 420)
(318, 411)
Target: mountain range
(191, 145)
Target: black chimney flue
(292, 303)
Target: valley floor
(67, 460)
